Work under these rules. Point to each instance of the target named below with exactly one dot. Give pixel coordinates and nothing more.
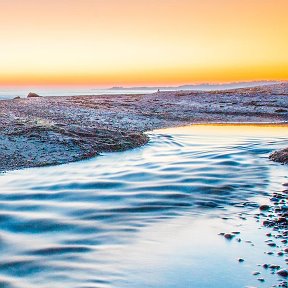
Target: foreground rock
(280, 156)
(53, 130)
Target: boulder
(17, 97)
(32, 95)
(280, 156)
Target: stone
(283, 273)
(229, 236)
(280, 156)
(241, 260)
(264, 207)
(32, 95)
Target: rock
(283, 273)
(274, 267)
(281, 110)
(241, 260)
(280, 156)
(282, 220)
(264, 207)
(32, 95)
(229, 236)
(16, 98)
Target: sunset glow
(133, 42)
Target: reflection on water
(89, 224)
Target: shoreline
(44, 131)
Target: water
(10, 93)
(142, 218)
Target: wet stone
(240, 260)
(283, 273)
(264, 207)
(229, 236)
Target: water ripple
(62, 225)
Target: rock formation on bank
(280, 156)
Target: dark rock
(283, 273)
(229, 236)
(264, 207)
(32, 95)
(16, 98)
(280, 156)
(281, 110)
(274, 267)
(282, 220)
(241, 260)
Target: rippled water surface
(141, 218)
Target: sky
(134, 42)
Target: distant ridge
(202, 87)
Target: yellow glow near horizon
(133, 42)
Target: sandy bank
(54, 130)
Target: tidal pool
(148, 217)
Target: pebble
(273, 266)
(283, 273)
(264, 207)
(229, 236)
(241, 260)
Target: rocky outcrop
(280, 156)
(32, 95)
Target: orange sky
(134, 42)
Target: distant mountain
(205, 87)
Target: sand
(44, 131)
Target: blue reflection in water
(66, 226)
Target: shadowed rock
(280, 156)
(32, 95)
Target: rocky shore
(273, 218)
(39, 131)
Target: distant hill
(202, 87)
